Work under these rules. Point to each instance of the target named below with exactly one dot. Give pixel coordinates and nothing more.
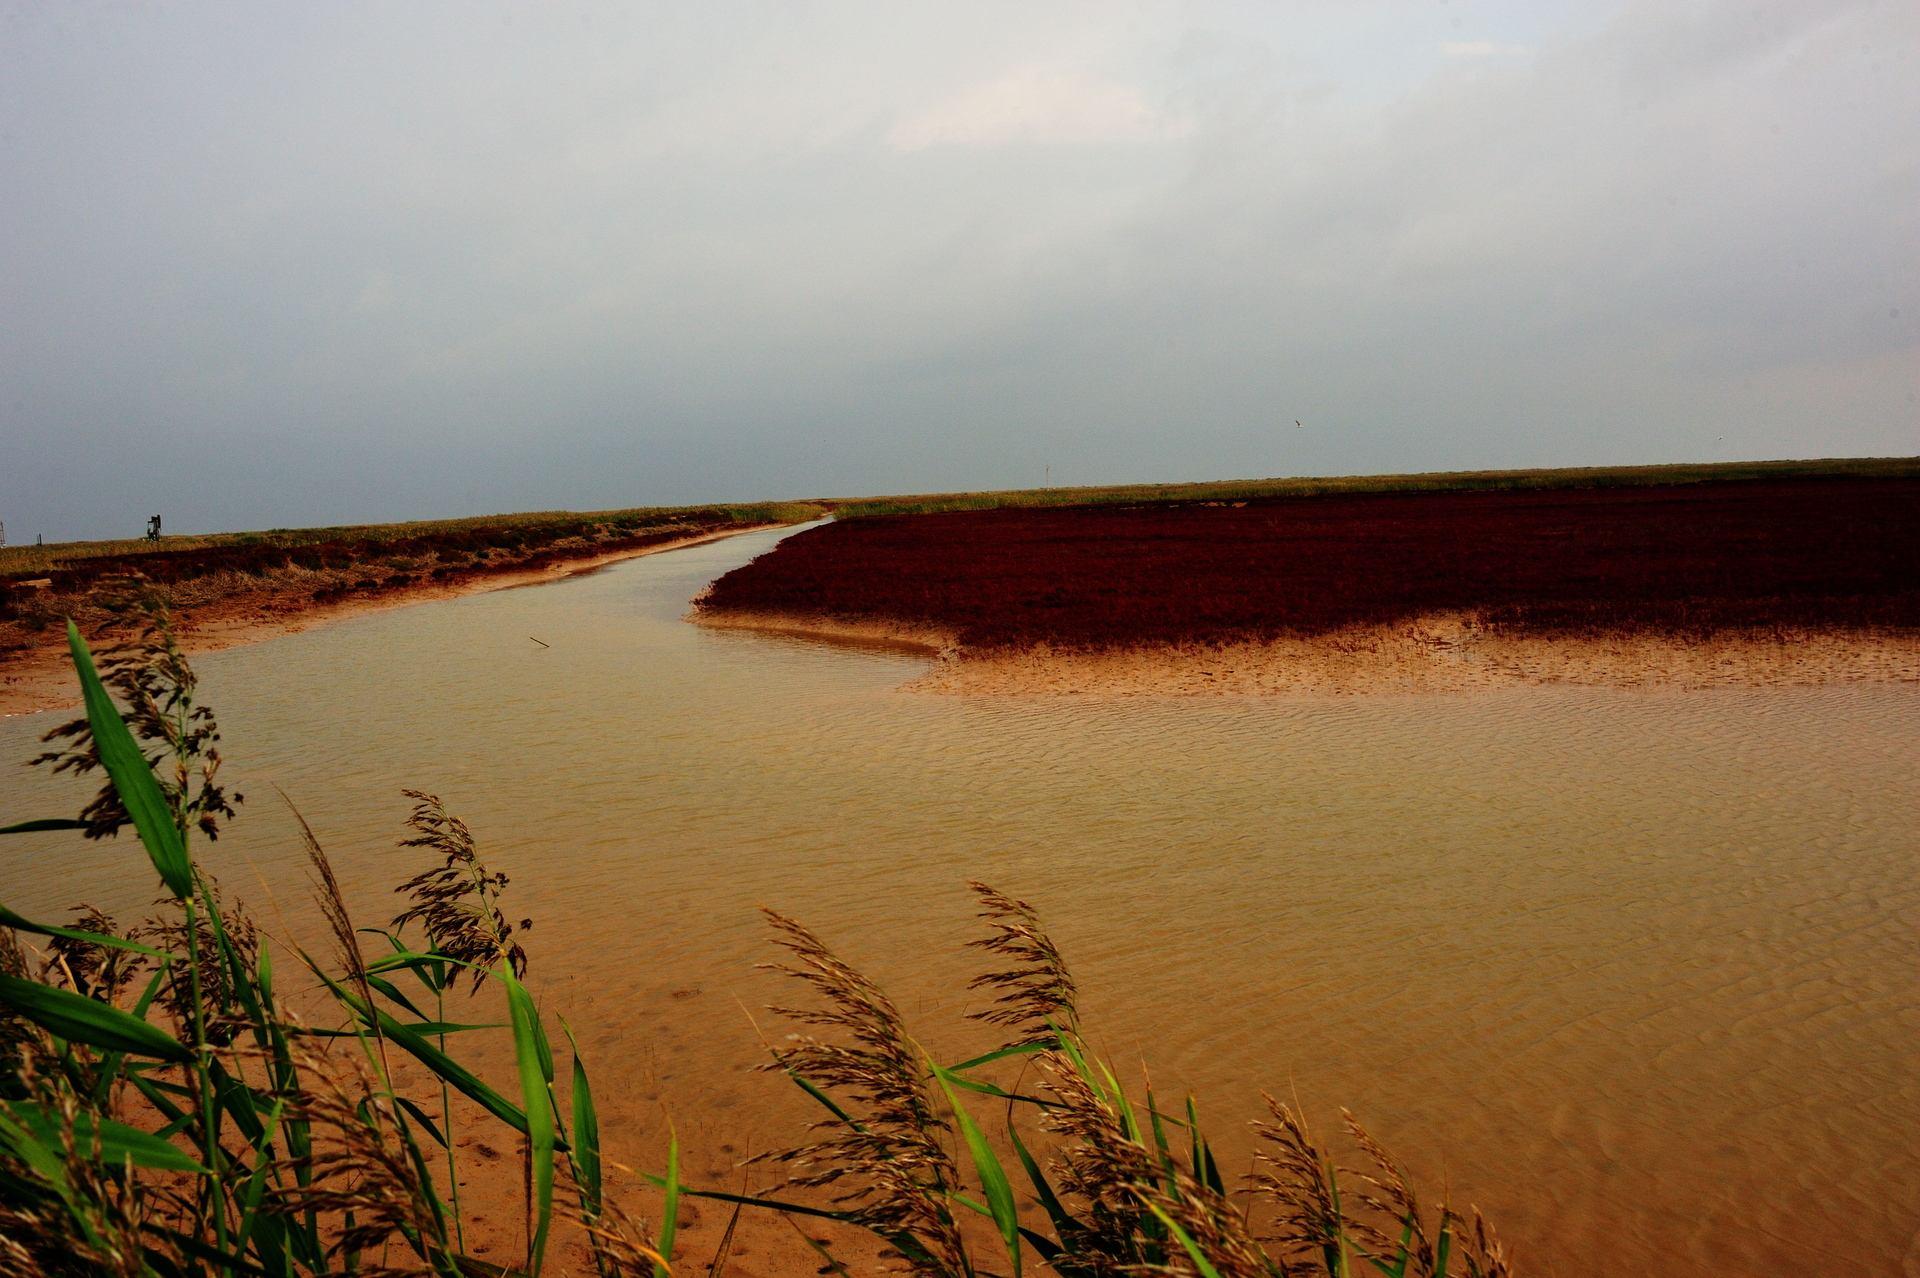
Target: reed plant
(1122, 1184)
(165, 1110)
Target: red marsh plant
(1766, 557)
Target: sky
(268, 265)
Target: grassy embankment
(289, 570)
(165, 1109)
(531, 527)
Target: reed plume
(1127, 1190)
(1099, 1163)
(1099, 1160)
(333, 906)
(458, 901)
(1296, 1178)
(97, 971)
(93, 1227)
(1318, 1225)
(359, 1170)
(17, 1033)
(617, 1239)
(1034, 998)
(1215, 1226)
(158, 692)
(219, 997)
(1486, 1255)
(1388, 1195)
(885, 1162)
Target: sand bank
(1441, 654)
(41, 677)
(879, 633)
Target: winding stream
(1638, 973)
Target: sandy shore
(1431, 655)
(896, 636)
(41, 678)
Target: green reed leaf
(414, 1044)
(750, 1200)
(1339, 1253)
(993, 1177)
(1018, 1049)
(18, 924)
(386, 987)
(1162, 1149)
(586, 1130)
(424, 1119)
(1063, 1222)
(419, 1027)
(119, 1143)
(535, 1061)
(133, 780)
(1404, 1255)
(1198, 1257)
(79, 1019)
(33, 1153)
(1205, 1169)
(670, 1213)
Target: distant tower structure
(3, 532)
(153, 528)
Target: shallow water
(1637, 973)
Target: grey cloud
(272, 265)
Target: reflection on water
(1636, 972)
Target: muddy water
(1637, 973)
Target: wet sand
(41, 677)
(1440, 654)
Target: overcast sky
(308, 263)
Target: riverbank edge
(41, 678)
(1431, 654)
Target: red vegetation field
(1695, 559)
